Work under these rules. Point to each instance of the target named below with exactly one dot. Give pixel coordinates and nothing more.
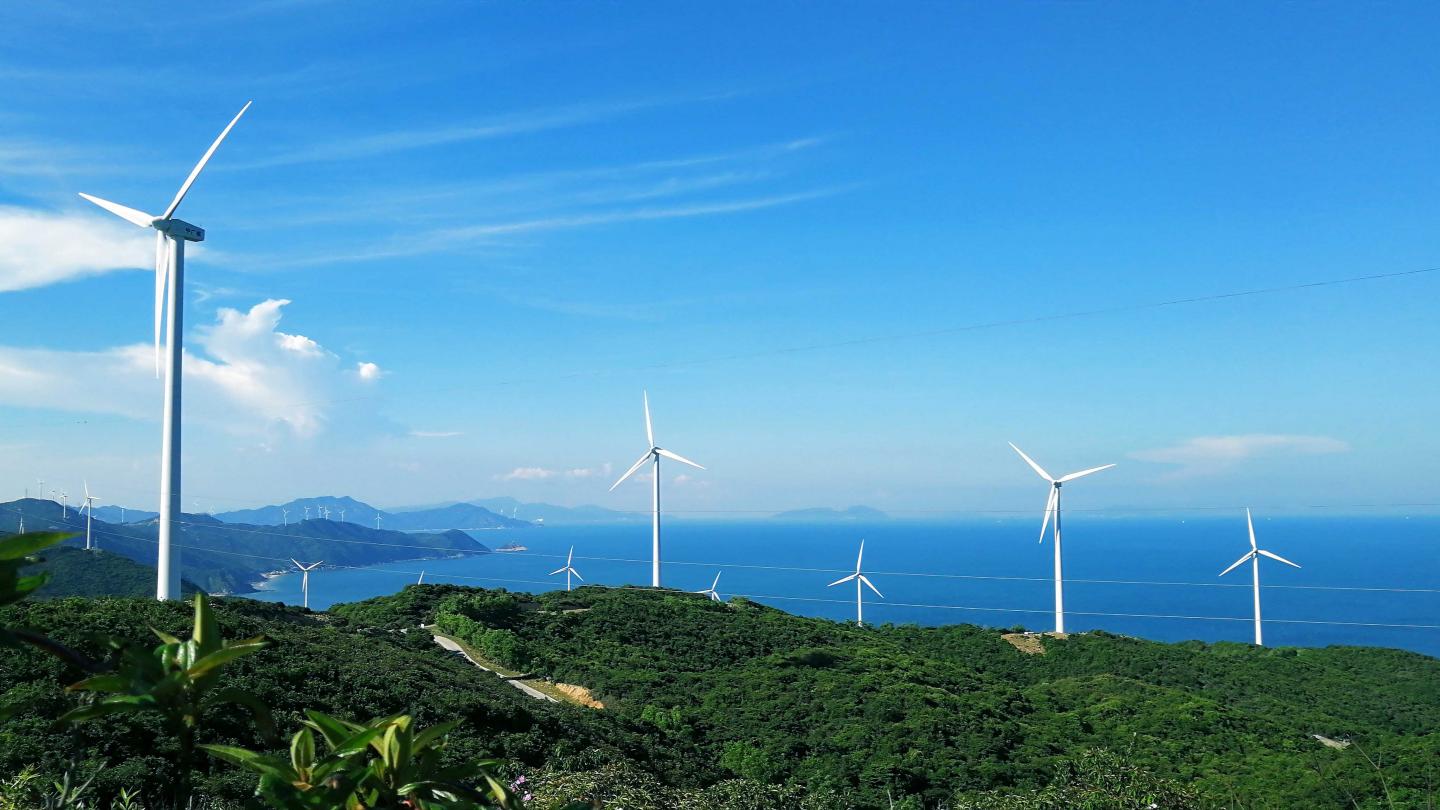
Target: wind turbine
(1254, 555)
(1052, 505)
(307, 513)
(711, 592)
(568, 569)
(170, 237)
(64, 505)
(305, 578)
(377, 523)
(653, 455)
(284, 516)
(89, 514)
(859, 594)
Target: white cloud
(39, 248)
(244, 375)
(368, 371)
(1205, 455)
(436, 434)
(528, 474)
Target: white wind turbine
(284, 516)
(711, 592)
(305, 578)
(859, 594)
(1254, 555)
(568, 569)
(1052, 506)
(170, 237)
(89, 514)
(653, 455)
(377, 521)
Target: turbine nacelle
(179, 229)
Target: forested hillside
(743, 706)
(945, 713)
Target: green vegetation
(77, 572)
(957, 715)
(718, 706)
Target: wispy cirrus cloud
(436, 434)
(499, 126)
(1207, 455)
(545, 473)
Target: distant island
(828, 514)
(513, 547)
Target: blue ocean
(1372, 581)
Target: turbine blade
(124, 212)
(195, 172)
(677, 457)
(557, 571)
(1250, 523)
(859, 557)
(841, 580)
(871, 586)
(1276, 557)
(1049, 508)
(162, 275)
(631, 471)
(1036, 467)
(649, 431)
(1083, 473)
(716, 583)
(1237, 563)
(577, 575)
(297, 563)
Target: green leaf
(302, 749)
(224, 656)
(102, 683)
(207, 629)
(21, 545)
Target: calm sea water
(995, 573)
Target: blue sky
(524, 214)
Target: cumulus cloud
(1211, 454)
(38, 248)
(244, 375)
(368, 371)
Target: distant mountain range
(343, 508)
(223, 557)
(827, 514)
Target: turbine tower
(305, 579)
(170, 237)
(568, 569)
(859, 594)
(1254, 555)
(710, 591)
(653, 455)
(1052, 505)
(89, 515)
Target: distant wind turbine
(859, 594)
(284, 516)
(710, 591)
(64, 504)
(342, 515)
(1254, 555)
(377, 521)
(89, 514)
(307, 513)
(568, 569)
(305, 578)
(170, 237)
(1052, 506)
(653, 455)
